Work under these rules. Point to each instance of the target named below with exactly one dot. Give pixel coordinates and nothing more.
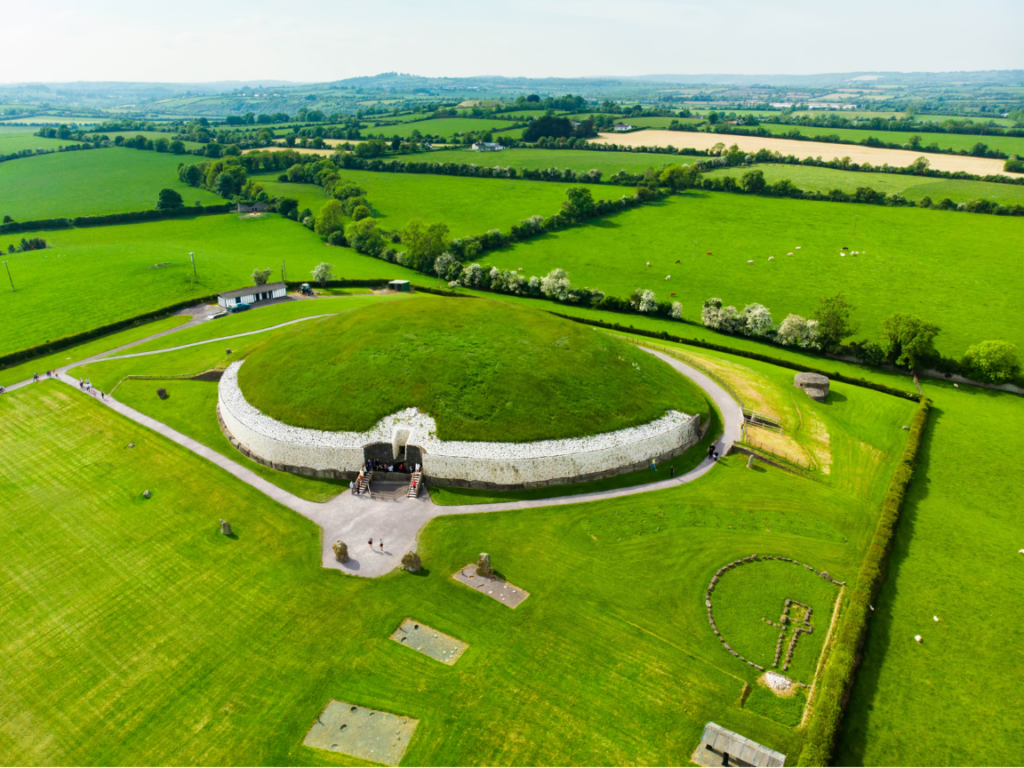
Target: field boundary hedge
(114, 218)
(56, 345)
(840, 668)
(665, 336)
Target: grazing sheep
(918, 638)
(674, 293)
(771, 258)
(750, 261)
(935, 617)
(709, 253)
(668, 277)
(798, 248)
(648, 263)
(677, 261)
(790, 253)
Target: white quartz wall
(486, 462)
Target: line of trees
(907, 341)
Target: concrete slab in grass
(428, 641)
(367, 734)
(502, 591)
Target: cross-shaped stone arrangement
(800, 621)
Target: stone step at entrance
(389, 490)
(415, 482)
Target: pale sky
(324, 40)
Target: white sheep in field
(771, 258)
(918, 638)
(750, 261)
(790, 253)
(648, 263)
(668, 277)
(798, 247)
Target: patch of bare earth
(982, 166)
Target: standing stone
(161, 393)
(146, 494)
(340, 551)
(225, 527)
(411, 562)
(483, 565)
(750, 462)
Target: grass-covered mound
(484, 370)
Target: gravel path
(356, 519)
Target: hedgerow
(844, 656)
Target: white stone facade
(504, 464)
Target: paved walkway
(356, 519)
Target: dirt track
(858, 154)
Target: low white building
(623, 127)
(252, 295)
(487, 146)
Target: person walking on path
(672, 470)
(382, 546)
(711, 451)
(370, 542)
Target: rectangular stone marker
(428, 641)
(366, 734)
(502, 591)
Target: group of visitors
(373, 465)
(370, 542)
(86, 386)
(48, 374)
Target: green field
(24, 371)
(109, 267)
(957, 141)
(811, 179)
(15, 139)
(468, 206)
(263, 317)
(484, 370)
(258, 637)
(608, 163)
(443, 126)
(191, 408)
(955, 557)
(941, 264)
(93, 182)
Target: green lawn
(135, 622)
(608, 163)
(191, 408)
(484, 370)
(957, 141)
(468, 206)
(811, 179)
(942, 265)
(23, 371)
(93, 182)
(265, 317)
(109, 267)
